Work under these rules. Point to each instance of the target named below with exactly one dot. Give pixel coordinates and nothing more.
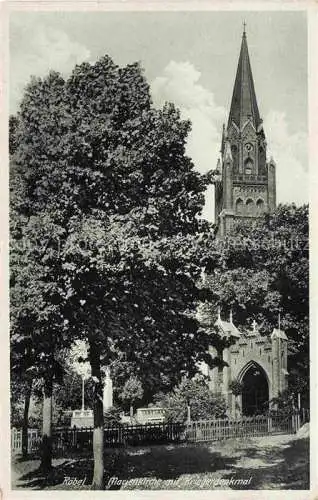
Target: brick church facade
(245, 188)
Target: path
(272, 462)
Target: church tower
(246, 188)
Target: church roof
(227, 328)
(279, 334)
(244, 105)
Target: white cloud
(180, 83)
(290, 154)
(42, 50)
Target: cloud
(180, 83)
(38, 51)
(290, 154)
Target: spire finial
(231, 316)
(279, 319)
(244, 28)
(254, 325)
(219, 312)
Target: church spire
(244, 104)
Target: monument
(107, 391)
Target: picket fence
(75, 440)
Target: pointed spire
(272, 161)
(244, 103)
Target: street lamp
(83, 381)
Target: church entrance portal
(255, 391)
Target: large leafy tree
(115, 206)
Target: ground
(272, 462)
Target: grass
(272, 462)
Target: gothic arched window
(260, 206)
(248, 166)
(239, 206)
(250, 206)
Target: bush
(203, 404)
(283, 404)
(236, 387)
(112, 416)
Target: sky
(189, 58)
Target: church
(245, 186)
(245, 189)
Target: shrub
(195, 393)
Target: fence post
(294, 422)
(297, 420)
(269, 424)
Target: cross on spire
(244, 28)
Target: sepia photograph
(159, 250)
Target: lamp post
(83, 378)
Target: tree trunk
(25, 425)
(46, 458)
(98, 433)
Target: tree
(196, 394)
(119, 202)
(37, 326)
(112, 415)
(131, 393)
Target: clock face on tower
(248, 147)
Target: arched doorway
(255, 393)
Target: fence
(81, 439)
(68, 440)
(34, 439)
(214, 430)
(304, 416)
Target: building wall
(267, 353)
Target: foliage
(236, 387)
(112, 415)
(132, 391)
(284, 404)
(195, 393)
(109, 206)
(117, 204)
(261, 270)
